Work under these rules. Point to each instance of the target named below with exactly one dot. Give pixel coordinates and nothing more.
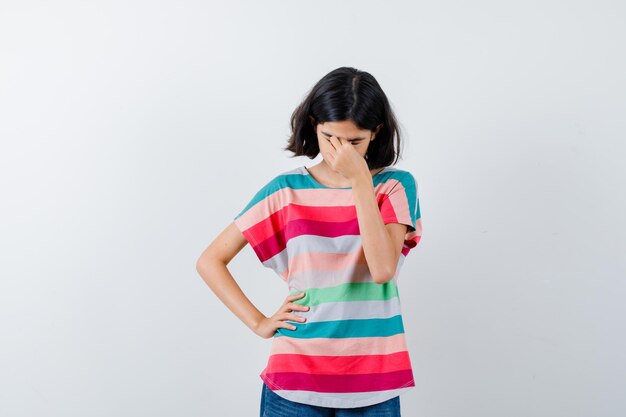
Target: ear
(375, 132)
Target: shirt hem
(377, 397)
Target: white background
(132, 132)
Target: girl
(337, 233)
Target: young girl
(337, 233)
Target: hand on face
(342, 157)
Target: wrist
(256, 323)
(363, 180)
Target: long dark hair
(347, 93)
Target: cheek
(324, 146)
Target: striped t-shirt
(351, 351)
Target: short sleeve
(402, 205)
(259, 222)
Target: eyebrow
(329, 135)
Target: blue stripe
(345, 328)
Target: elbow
(206, 267)
(203, 263)
(201, 267)
(208, 262)
(205, 260)
(381, 278)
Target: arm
(382, 244)
(212, 268)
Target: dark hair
(347, 93)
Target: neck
(328, 176)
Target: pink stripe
(330, 346)
(266, 217)
(339, 383)
(326, 228)
(396, 207)
(327, 275)
(325, 261)
(344, 365)
(286, 197)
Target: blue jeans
(273, 405)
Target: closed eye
(354, 142)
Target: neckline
(319, 185)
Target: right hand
(268, 326)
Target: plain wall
(132, 132)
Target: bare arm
(212, 267)
(382, 244)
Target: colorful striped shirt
(351, 351)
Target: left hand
(346, 160)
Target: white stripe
(341, 399)
(348, 310)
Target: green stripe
(345, 328)
(353, 291)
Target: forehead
(345, 129)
